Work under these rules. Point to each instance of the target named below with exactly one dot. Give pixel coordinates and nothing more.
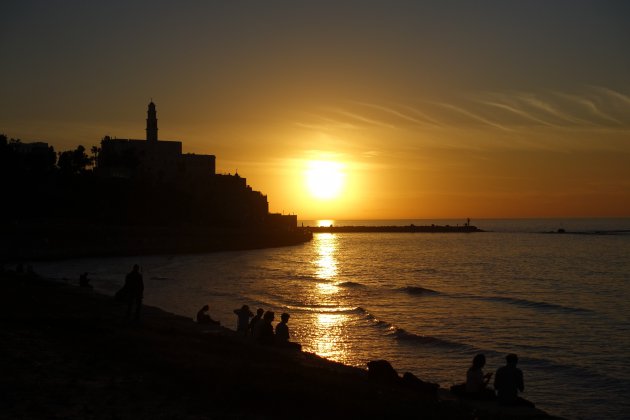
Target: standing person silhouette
(508, 381)
(242, 322)
(134, 292)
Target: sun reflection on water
(331, 339)
(326, 246)
(328, 336)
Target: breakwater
(407, 228)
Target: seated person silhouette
(255, 319)
(263, 332)
(508, 381)
(204, 318)
(282, 333)
(476, 381)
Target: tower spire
(152, 127)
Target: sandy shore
(67, 352)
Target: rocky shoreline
(67, 352)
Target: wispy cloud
(589, 105)
(425, 119)
(592, 107)
(472, 115)
(612, 94)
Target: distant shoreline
(65, 241)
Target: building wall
(192, 165)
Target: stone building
(156, 162)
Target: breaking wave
(417, 290)
(403, 335)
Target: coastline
(68, 353)
(45, 241)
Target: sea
(428, 302)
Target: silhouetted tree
(73, 162)
(95, 151)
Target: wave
(329, 309)
(350, 284)
(578, 373)
(160, 278)
(403, 335)
(417, 290)
(534, 304)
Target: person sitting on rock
(255, 320)
(508, 381)
(282, 329)
(263, 332)
(477, 381)
(204, 318)
(282, 334)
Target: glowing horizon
(480, 116)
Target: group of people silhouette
(508, 381)
(260, 327)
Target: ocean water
(429, 302)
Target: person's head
(479, 361)
(245, 308)
(284, 317)
(269, 316)
(205, 308)
(511, 359)
(260, 311)
(136, 267)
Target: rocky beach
(68, 352)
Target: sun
(324, 179)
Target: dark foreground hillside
(68, 353)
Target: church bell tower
(152, 128)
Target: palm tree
(95, 151)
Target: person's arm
(521, 385)
(487, 377)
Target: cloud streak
(593, 107)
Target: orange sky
(431, 110)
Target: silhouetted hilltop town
(223, 199)
(136, 196)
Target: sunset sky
(345, 109)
